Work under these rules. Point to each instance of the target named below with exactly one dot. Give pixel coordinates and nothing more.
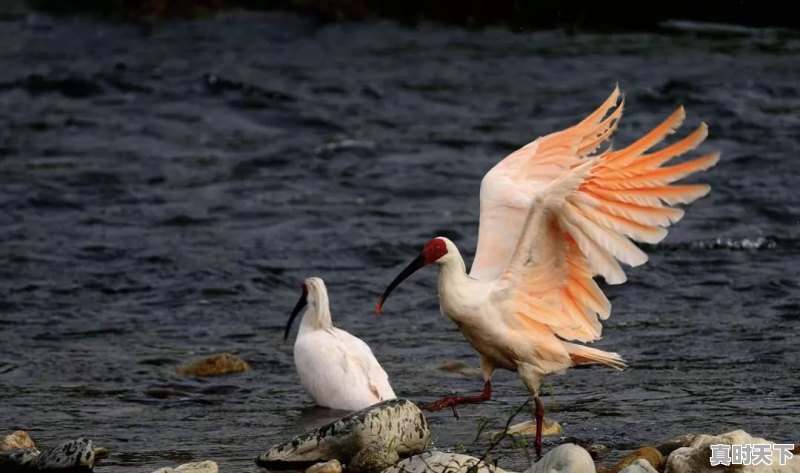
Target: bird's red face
(432, 252)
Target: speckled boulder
(19, 459)
(398, 424)
(71, 454)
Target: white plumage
(337, 370)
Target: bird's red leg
(453, 401)
(539, 422)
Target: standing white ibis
(337, 369)
(553, 215)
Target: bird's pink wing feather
(583, 222)
(507, 189)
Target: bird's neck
(317, 315)
(454, 283)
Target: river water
(165, 188)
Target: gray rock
(441, 462)
(639, 466)
(397, 424)
(373, 459)
(71, 454)
(330, 466)
(18, 458)
(566, 458)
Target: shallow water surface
(164, 191)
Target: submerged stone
(550, 428)
(214, 365)
(397, 424)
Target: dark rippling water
(164, 192)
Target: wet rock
(70, 454)
(694, 458)
(373, 459)
(15, 440)
(101, 452)
(564, 458)
(441, 462)
(214, 365)
(598, 451)
(397, 424)
(648, 454)
(331, 466)
(550, 428)
(19, 459)
(675, 443)
(207, 466)
(639, 466)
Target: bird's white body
(337, 370)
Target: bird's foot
(447, 401)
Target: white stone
(566, 458)
(639, 466)
(695, 458)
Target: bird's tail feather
(583, 355)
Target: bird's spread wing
(507, 189)
(583, 222)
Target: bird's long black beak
(418, 263)
(297, 308)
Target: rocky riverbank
(394, 437)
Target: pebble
(214, 365)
